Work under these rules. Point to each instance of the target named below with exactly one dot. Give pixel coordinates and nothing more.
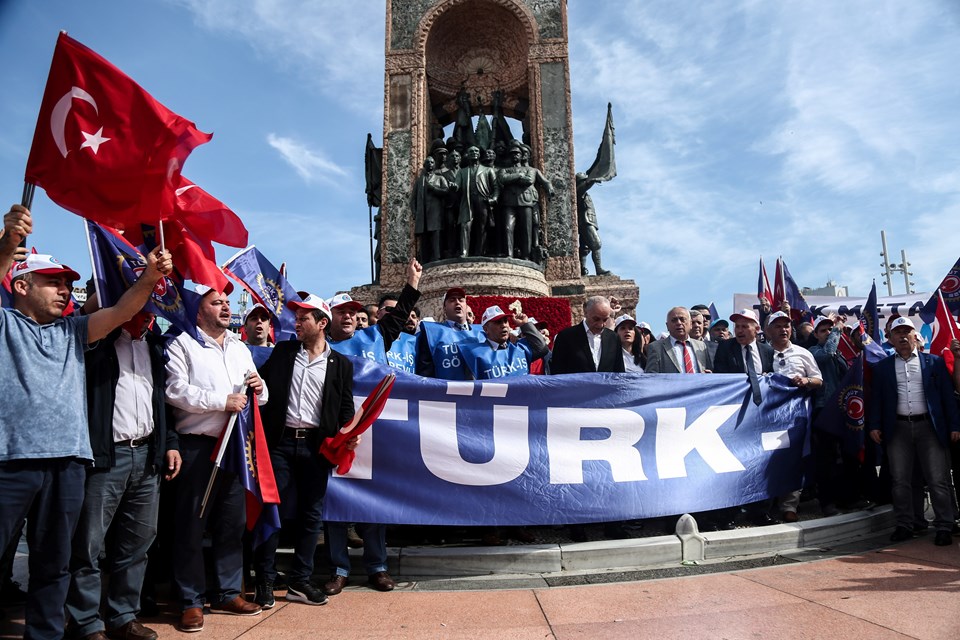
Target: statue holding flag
(604, 168)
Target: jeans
(122, 500)
(374, 547)
(301, 474)
(49, 493)
(917, 442)
(225, 517)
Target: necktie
(752, 373)
(687, 359)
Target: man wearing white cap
(203, 386)
(312, 398)
(44, 437)
(497, 356)
(371, 343)
(797, 364)
(744, 354)
(914, 414)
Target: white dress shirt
(796, 361)
(911, 399)
(306, 390)
(593, 339)
(199, 379)
(133, 404)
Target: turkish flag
(104, 148)
(944, 331)
(207, 217)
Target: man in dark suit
(731, 354)
(589, 346)
(914, 413)
(731, 357)
(678, 352)
(313, 399)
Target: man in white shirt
(797, 364)
(203, 386)
(312, 398)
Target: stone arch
(507, 31)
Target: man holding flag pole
(202, 386)
(44, 439)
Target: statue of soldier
(427, 202)
(479, 191)
(537, 252)
(587, 226)
(518, 199)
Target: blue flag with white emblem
(268, 286)
(116, 266)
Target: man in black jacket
(589, 346)
(312, 399)
(132, 447)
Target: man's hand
(955, 347)
(352, 443)
(236, 402)
(172, 463)
(875, 435)
(159, 264)
(414, 271)
(254, 382)
(17, 225)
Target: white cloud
(309, 165)
(335, 46)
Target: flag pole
(370, 218)
(26, 201)
(227, 432)
(163, 246)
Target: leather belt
(917, 417)
(136, 442)
(298, 433)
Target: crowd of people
(102, 411)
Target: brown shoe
(133, 630)
(335, 586)
(789, 516)
(191, 620)
(237, 607)
(381, 581)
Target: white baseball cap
(45, 264)
(256, 307)
(312, 302)
(746, 314)
(902, 322)
(343, 300)
(203, 289)
(493, 313)
(776, 316)
(820, 320)
(621, 319)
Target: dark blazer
(729, 357)
(571, 352)
(937, 387)
(337, 403)
(103, 373)
(661, 357)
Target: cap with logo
(45, 264)
(773, 317)
(493, 313)
(621, 319)
(746, 314)
(344, 301)
(312, 302)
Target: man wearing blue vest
(498, 356)
(371, 343)
(438, 352)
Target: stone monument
(446, 60)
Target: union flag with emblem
(103, 147)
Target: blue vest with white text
(365, 343)
(487, 363)
(444, 344)
(403, 353)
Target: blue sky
(743, 128)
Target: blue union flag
(116, 266)
(267, 286)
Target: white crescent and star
(58, 122)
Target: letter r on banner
(567, 452)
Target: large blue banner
(539, 450)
